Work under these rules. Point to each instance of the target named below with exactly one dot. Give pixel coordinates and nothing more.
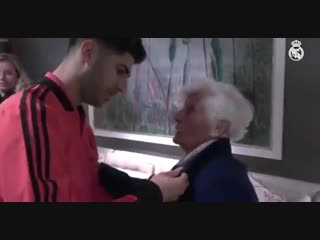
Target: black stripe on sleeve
(53, 196)
(27, 141)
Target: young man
(48, 152)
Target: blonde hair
(23, 79)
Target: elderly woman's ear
(222, 129)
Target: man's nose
(178, 116)
(122, 87)
(2, 76)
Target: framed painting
(254, 65)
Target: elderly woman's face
(8, 76)
(192, 125)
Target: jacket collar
(57, 87)
(221, 147)
(195, 152)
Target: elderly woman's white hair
(223, 101)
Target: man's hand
(172, 184)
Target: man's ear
(222, 128)
(88, 48)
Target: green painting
(149, 105)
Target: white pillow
(126, 162)
(304, 199)
(316, 197)
(263, 193)
(266, 195)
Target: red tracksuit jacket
(48, 151)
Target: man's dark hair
(133, 46)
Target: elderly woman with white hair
(213, 114)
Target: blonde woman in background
(12, 76)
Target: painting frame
(274, 152)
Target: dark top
(6, 96)
(216, 176)
(120, 184)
